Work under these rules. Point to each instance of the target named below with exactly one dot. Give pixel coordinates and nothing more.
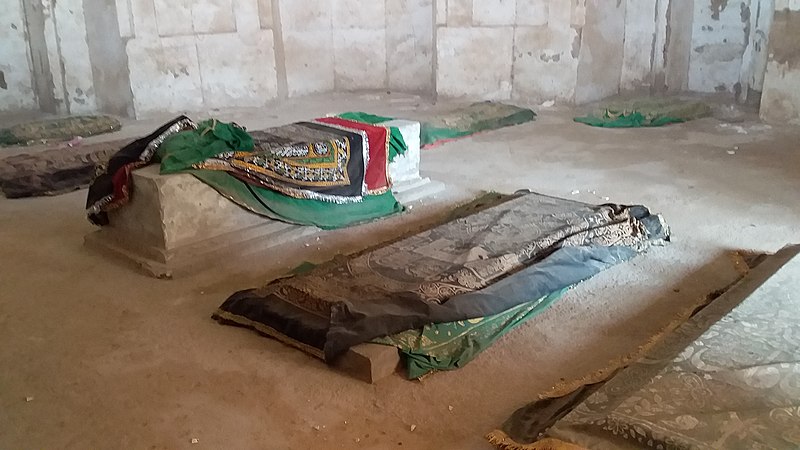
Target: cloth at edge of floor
(268, 203)
(627, 119)
(61, 129)
(451, 345)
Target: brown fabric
(54, 171)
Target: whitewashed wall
(16, 80)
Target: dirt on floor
(95, 355)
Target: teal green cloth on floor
(632, 119)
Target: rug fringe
(599, 376)
(504, 442)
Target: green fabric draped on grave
(625, 119)
(450, 346)
(180, 152)
(460, 122)
(646, 112)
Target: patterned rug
(728, 378)
(524, 249)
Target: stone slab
(545, 66)
(410, 56)
(245, 77)
(475, 62)
(309, 61)
(165, 74)
(370, 362)
(360, 61)
(494, 12)
(359, 14)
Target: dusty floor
(113, 359)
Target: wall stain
(747, 23)
(711, 53)
(3, 84)
(576, 43)
(784, 37)
(717, 6)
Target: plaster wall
(16, 81)
(143, 57)
(728, 41)
(780, 102)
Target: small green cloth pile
(627, 119)
(182, 151)
(475, 118)
(646, 112)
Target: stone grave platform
(176, 222)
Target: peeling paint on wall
(717, 6)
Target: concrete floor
(109, 358)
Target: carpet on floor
(526, 248)
(726, 378)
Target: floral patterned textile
(479, 265)
(716, 383)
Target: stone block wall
(142, 57)
(503, 49)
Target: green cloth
(625, 119)
(397, 145)
(183, 150)
(370, 119)
(645, 112)
(475, 118)
(274, 205)
(449, 346)
(461, 122)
